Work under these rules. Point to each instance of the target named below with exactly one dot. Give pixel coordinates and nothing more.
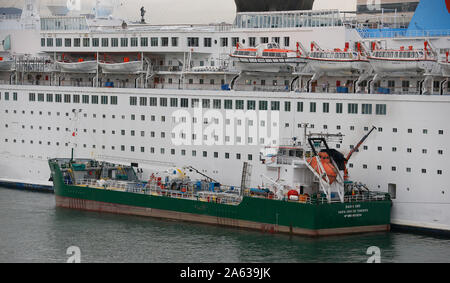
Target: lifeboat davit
(328, 166)
(445, 65)
(338, 61)
(267, 57)
(6, 64)
(403, 60)
(125, 67)
(78, 67)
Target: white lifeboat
(125, 67)
(403, 60)
(338, 61)
(267, 57)
(6, 64)
(78, 67)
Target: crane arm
(360, 143)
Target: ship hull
(252, 213)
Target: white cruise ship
(211, 96)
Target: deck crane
(359, 144)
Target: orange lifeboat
(328, 166)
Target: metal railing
(380, 33)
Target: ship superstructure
(167, 96)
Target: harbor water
(34, 230)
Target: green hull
(255, 213)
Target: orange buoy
(126, 59)
(80, 60)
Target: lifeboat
(328, 166)
(6, 64)
(337, 61)
(80, 66)
(267, 58)
(125, 67)
(403, 60)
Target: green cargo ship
(78, 185)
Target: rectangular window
(144, 41)
(133, 100)
(143, 101)
(76, 98)
(114, 42)
(58, 98)
(95, 42)
(49, 97)
(154, 41)
(85, 99)
(66, 98)
(67, 42)
(153, 101)
(173, 102)
(105, 42)
(352, 108)
(251, 105)
(300, 106)
(263, 105)
(42, 42)
(134, 42)
(312, 107)
(76, 42)
(192, 41)
(275, 105)
(252, 41)
(49, 42)
(124, 42)
(174, 41)
(104, 99)
(228, 104)
(224, 41)
(207, 42)
(326, 107)
(367, 109)
(94, 99)
(113, 100)
(32, 97)
(86, 42)
(184, 102)
(239, 104)
(163, 102)
(217, 104)
(58, 42)
(164, 41)
(380, 109)
(287, 106)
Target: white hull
(422, 199)
(122, 68)
(78, 67)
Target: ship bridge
(288, 19)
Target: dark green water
(34, 230)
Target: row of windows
(154, 41)
(380, 109)
(395, 169)
(75, 98)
